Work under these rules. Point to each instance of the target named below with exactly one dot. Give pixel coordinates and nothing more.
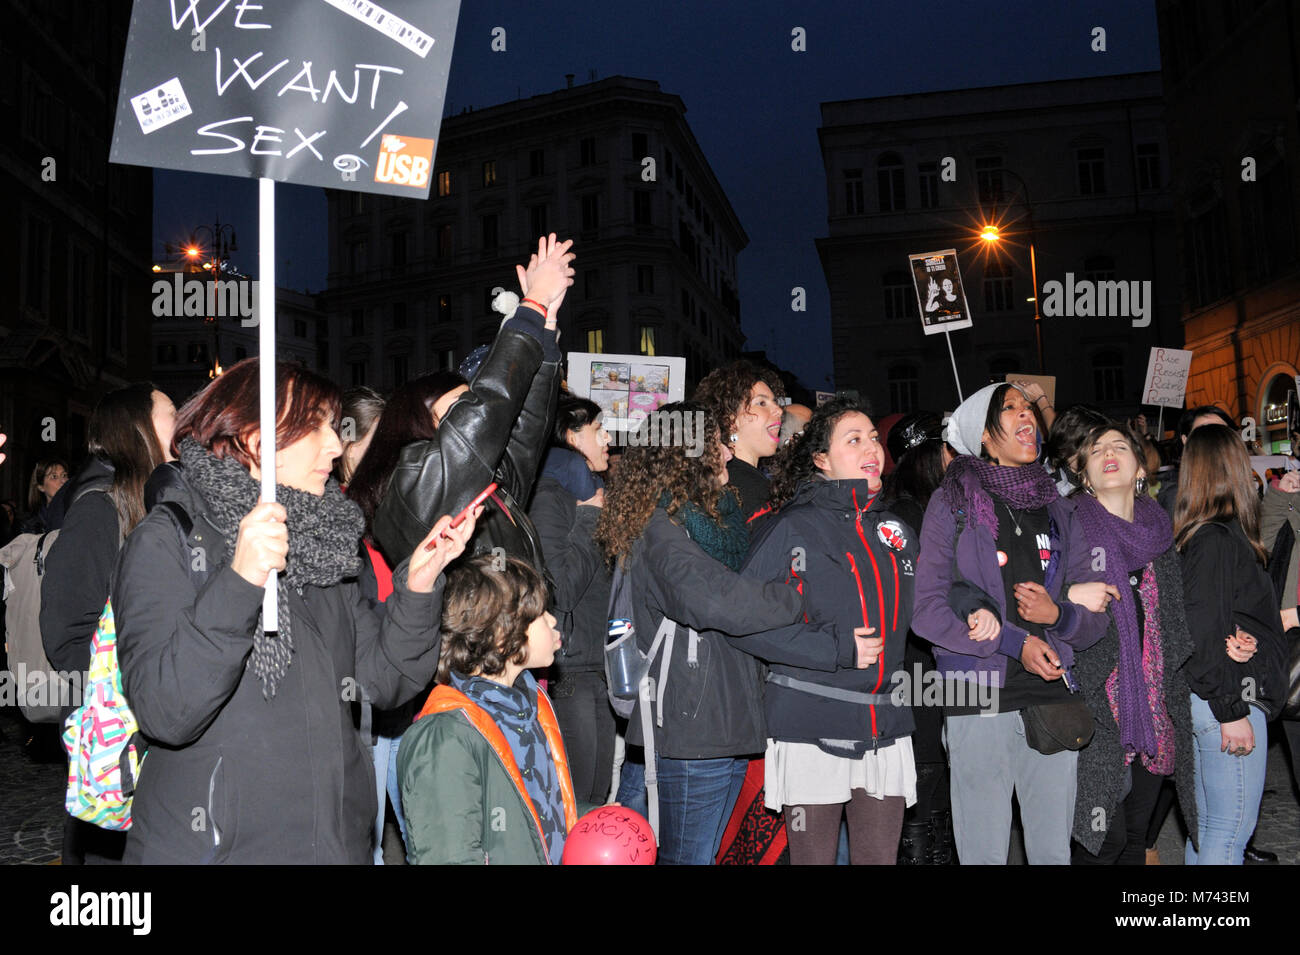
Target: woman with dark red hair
(253, 754)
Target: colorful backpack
(103, 740)
(102, 737)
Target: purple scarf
(973, 485)
(1127, 547)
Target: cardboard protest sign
(940, 296)
(627, 387)
(823, 397)
(1166, 382)
(346, 94)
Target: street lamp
(992, 235)
(223, 241)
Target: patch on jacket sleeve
(891, 534)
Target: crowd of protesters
(863, 636)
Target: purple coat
(941, 607)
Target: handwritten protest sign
(346, 94)
(1166, 383)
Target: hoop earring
(1088, 489)
(734, 438)
(1139, 487)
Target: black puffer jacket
(845, 563)
(712, 705)
(497, 431)
(231, 776)
(1101, 763)
(577, 570)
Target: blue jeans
(696, 797)
(631, 782)
(385, 756)
(1228, 788)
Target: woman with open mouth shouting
(839, 745)
(998, 548)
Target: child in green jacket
(483, 771)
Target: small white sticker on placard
(161, 105)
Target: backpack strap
(184, 526)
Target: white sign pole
(266, 366)
(955, 379)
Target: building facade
(75, 253)
(1231, 84)
(190, 349)
(1075, 169)
(612, 164)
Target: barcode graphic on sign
(161, 105)
(373, 15)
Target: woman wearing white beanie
(998, 548)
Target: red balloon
(610, 835)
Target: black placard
(340, 93)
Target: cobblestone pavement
(31, 797)
(31, 808)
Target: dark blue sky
(751, 101)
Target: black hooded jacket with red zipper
(849, 558)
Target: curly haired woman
(744, 399)
(680, 542)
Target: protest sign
(627, 387)
(1166, 382)
(940, 296)
(338, 93)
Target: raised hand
(549, 273)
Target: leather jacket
(497, 431)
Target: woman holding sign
(253, 754)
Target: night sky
(752, 103)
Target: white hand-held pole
(266, 366)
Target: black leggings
(1126, 838)
(874, 828)
(587, 721)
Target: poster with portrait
(627, 387)
(940, 295)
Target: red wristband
(540, 306)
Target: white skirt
(803, 774)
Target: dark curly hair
(726, 391)
(794, 462)
(650, 468)
(487, 608)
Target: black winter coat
(844, 562)
(231, 776)
(498, 431)
(78, 569)
(578, 573)
(1225, 587)
(1101, 763)
(713, 697)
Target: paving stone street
(31, 808)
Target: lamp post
(992, 234)
(223, 242)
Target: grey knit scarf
(324, 533)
